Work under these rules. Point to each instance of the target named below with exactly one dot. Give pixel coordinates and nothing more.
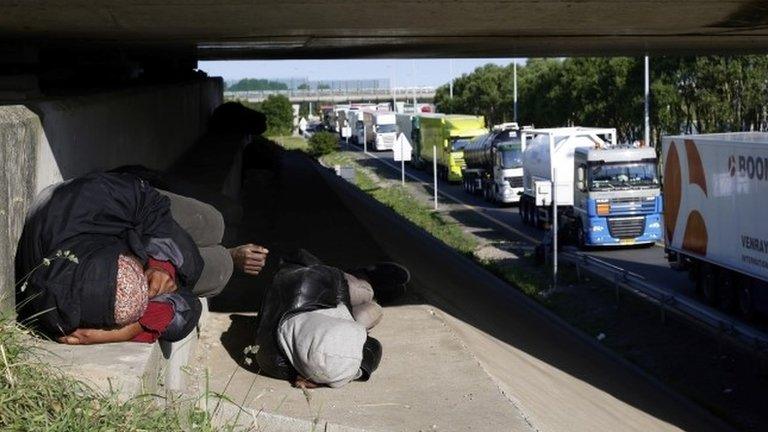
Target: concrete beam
(397, 28)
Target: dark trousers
(206, 227)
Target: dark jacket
(302, 284)
(96, 217)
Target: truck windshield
(622, 175)
(458, 144)
(511, 158)
(386, 128)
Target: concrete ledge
(128, 368)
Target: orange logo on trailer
(695, 237)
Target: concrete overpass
(92, 85)
(397, 28)
(423, 94)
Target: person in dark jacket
(314, 320)
(103, 259)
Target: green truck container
(448, 133)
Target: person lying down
(314, 320)
(141, 315)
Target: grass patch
(530, 281)
(37, 396)
(398, 199)
(291, 142)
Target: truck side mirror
(580, 178)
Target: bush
(323, 143)
(279, 112)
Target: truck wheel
(726, 282)
(708, 280)
(745, 300)
(522, 209)
(581, 240)
(537, 222)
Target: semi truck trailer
(380, 129)
(715, 193)
(604, 194)
(494, 165)
(448, 135)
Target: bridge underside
(236, 29)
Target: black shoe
(388, 280)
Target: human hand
(304, 383)
(249, 258)
(89, 336)
(81, 337)
(159, 282)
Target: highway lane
(650, 262)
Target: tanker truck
(494, 165)
(447, 134)
(604, 194)
(715, 192)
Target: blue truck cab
(617, 196)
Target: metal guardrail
(717, 322)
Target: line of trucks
(711, 217)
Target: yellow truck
(448, 133)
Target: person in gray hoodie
(314, 320)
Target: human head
(131, 290)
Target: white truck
(715, 194)
(605, 194)
(380, 129)
(494, 165)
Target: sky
(428, 72)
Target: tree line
(255, 84)
(688, 94)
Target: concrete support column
(20, 137)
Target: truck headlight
(654, 225)
(597, 228)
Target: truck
(715, 192)
(448, 134)
(604, 194)
(494, 165)
(380, 129)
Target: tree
(303, 86)
(688, 94)
(279, 112)
(323, 86)
(252, 84)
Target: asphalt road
(651, 262)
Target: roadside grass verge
(36, 396)
(531, 280)
(291, 142)
(400, 200)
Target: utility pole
(434, 171)
(514, 84)
(413, 71)
(647, 134)
(450, 86)
(394, 75)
